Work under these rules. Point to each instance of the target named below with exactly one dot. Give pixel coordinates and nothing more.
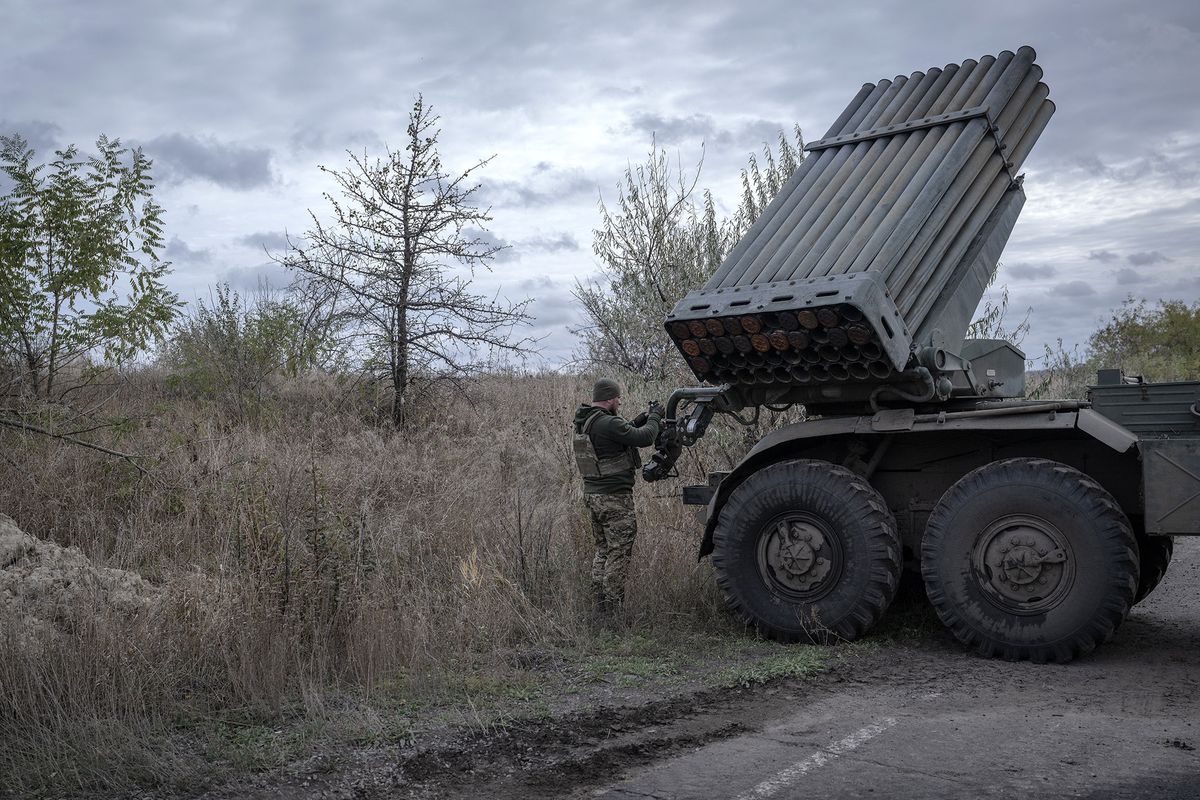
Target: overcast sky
(239, 102)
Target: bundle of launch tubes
(915, 184)
(810, 345)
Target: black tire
(807, 550)
(1155, 552)
(1029, 558)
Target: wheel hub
(1025, 561)
(1023, 564)
(797, 555)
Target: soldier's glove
(640, 419)
(657, 410)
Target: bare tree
(396, 263)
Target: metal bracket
(698, 495)
(921, 124)
(896, 419)
(902, 127)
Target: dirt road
(1121, 725)
(912, 716)
(932, 722)
(924, 720)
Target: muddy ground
(906, 714)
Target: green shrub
(234, 351)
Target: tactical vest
(590, 464)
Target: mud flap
(1171, 483)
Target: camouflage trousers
(614, 527)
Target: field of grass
(320, 571)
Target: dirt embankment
(48, 590)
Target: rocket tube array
(906, 205)
(812, 345)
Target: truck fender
(775, 446)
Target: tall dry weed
(310, 549)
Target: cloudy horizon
(238, 104)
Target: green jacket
(610, 436)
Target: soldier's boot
(607, 616)
(614, 613)
(599, 606)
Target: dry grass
(307, 556)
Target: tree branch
(25, 426)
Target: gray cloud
(675, 130)
(1186, 287)
(553, 315)
(540, 283)
(1032, 271)
(44, 137)
(1168, 227)
(545, 185)
(179, 158)
(552, 306)
(310, 139)
(1177, 168)
(510, 251)
(179, 251)
(1071, 318)
(486, 240)
(1092, 165)
(672, 130)
(270, 240)
(554, 309)
(1075, 289)
(558, 243)
(267, 274)
(1145, 259)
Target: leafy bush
(1161, 343)
(80, 273)
(232, 351)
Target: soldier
(606, 449)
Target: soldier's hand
(657, 410)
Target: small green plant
(499, 689)
(629, 670)
(255, 746)
(796, 661)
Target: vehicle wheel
(1155, 552)
(1029, 558)
(807, 550)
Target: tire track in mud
(551, 757)
(581, 746)
(580, 754)
(554, 757)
